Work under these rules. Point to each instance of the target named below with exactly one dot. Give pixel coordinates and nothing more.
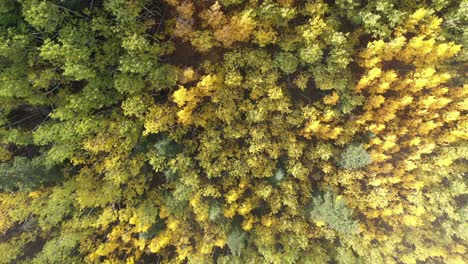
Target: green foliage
(23, 174)
(59, 249)
(377, 18)
(155, 229)
(311, 54)
(42, 15)
(279, 174)
(231, 2)
(215, 210)
(354, 156)
(332, 210)
(167, 147)
(237, 240)
(200, 131)
(8, 13)
(287, 62)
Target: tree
(232, 131)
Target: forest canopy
(233, 131)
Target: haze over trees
(233, 131)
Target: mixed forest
(233, 131)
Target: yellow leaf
(331, 99)
(180, 96)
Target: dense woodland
(233, 131)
